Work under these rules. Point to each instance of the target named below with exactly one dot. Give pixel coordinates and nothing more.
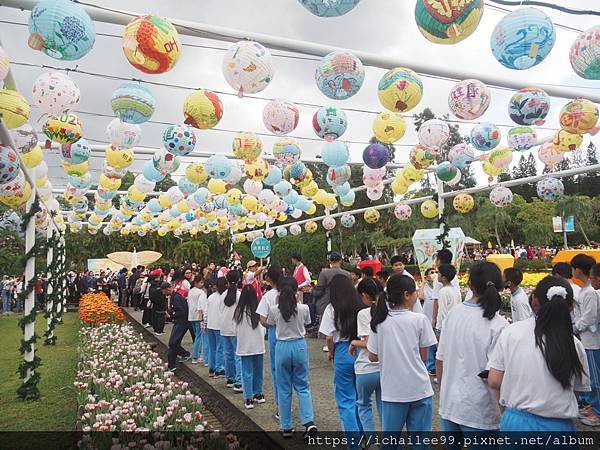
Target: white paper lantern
(280, 116)
(501, 196)
(295, 229)
(329, 223)
(122, 134)
(55, 93)
(248, 67)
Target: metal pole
(565, 243)
(29, 276)
(49, 285)
(441, 202)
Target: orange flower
(96, 308)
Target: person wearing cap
(158, 300)
(321, 290)
(252, 277)
(179, 313)
(302, 277)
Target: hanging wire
(564, 9)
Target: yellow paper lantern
(256, 170)
(400, 186)
(183, 206)
(110, 184)
(162, 232)
(371, 216)
(579, 116)
(311, 189)
(282, 217)
(65, 129)
(330, 201)
(429, 209)
(196, 173)
(234, 196)
(119, 158)
(400, 90)
(174, 224)
(216, 186)
(311, 210)
(202, 109)
(567, 142)
(490, 170)
(463, 203)
(389, 127)
(311, 227)
(164, 201)
(14, 201)
(135, 195)
(33, 158)
(250, 202)
(76, 170)
(14, 109)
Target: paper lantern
(400, 90)
(286, 151)
(75, 169)
(550, 189)
(521, 139)
(14, 109)
(329, 223)
(338, 175)
(311, 189)
(339, 75)
(461, 155)
(485, 136)
(402, 211)
(82, 182)
(375, 193)
(434, 133)
(445, 171)
(143, 184)
(280, 116)
(235, 175)
(164, 162)
(281, 232)
(256, 170)
(247, 146)
(579, 116)
(463, 203)
(550, 155)
(501, 196)
(151, 44)
(347, 220)
(299, 173)
(133, 103)
(77, 152)
(567, 142)
(529, 106)
(329, 8)
(9, 164)
(490, 170)
(469, 99)
(330, 122)
(585, 54)
(523, 38)
(122, 134)
(449, 22)
(420, 157)
(180, 140)
(4, 64)
(24, 137)
(454, 181)
(429, 209)
(196, 173)
(119, 158)
(371, 216)
(500, 158)
(33, 158)
(248, 67)
(55, 93)
(376, 156)
(311, 227)
(19, 198)
(202, 109)
(61, 29)
(389, 127)
(65, 129)
(217, 166)
(113, 172)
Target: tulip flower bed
(96, 309)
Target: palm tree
(578, 206)
(499, 218)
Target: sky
(382, 27)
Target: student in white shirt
(399, 340)
(290, 318)
(444, 256)
(468, 336)
(367, 372)
(519, 302)
(196, 298)
(398, 267)
(564, 270)
(537, 365)
(250, 347)
(587, 326)
(338, 325)
(426, 294)
(448, 296)
(213, 326)
(232, 362)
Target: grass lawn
(57, 408)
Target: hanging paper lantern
(338, 175)
(151, 44)
(375, 193)
(434, 133)
(339, 75)
(256, 170)
(469, 99)
(55, 93)
(450, 22)
(77, 152)
(119, 158)
(454, 181)
(463, 203)
(247, 146)
(202, 109)
(24, 137)
(371, 216)
(335, 153)
(4, 64)
(461, 155)
(113, 172)
(529, 106)
(329, 8)
(281, 232)
(521, 139)
(143, 184)
(311, 227)
(550, 155)
(122, 134)
(330, 122)
(280, 116)
(82, 182)
(445, 171)
(19, 198)
(500, 158)
(347, 220)
(329, 223)
(523, 38)
(9, 164)
(299, 172)
(579, 116)
(75, 170)
(180, 140)
(567, 142)
(248, 67)
(389, 127)
(133, 103)
(485, 136)
(501, 196)
(286, 151)
(165, 162)
(420, 157)
(218, 166)
(429, 209)
(585, 54)
(550, 189)
(14, 109)
(65, 129)
(33, 158)
(490, 170)
(376, 156)
(196, 173)
(400, 90)
(61, 29)
(402, 211)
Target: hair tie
(558, 291)
(490, 284)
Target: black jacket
(158, 299)
(179, 308)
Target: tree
(191, 251)
(496, 218)
(580, 208)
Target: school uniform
(232, 362)
(367, 376)
(213, 326)
(203, 305)
(292, 365)
(535, 401)
(406, 391)
(418, 308)
(251, 350)
(180, 311)
(519, 305)
(270, 300)
(195, 297)
(448, 297)
(576, 312)
(467, 403)
(344, 379)
(428, 303)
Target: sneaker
(147, 325)
(220, 374)
(432, 373)
(205, 364)
(435, 380)
(591, 421)
(287, 434)
(276, 415)
(173, 369)
(259, 398)
(325, 349)
(158, 334)
(584, 412)
(230, 384)
(309, 431)
(211, 374)
(237, 388)
(184, 358)
(248, 404)
(195, 361)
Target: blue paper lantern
(330, 122)
(485, 136)
(133, 103)
(218, 166)
(338, 175)
(340, 75)
(342, 189)
(179, 140)
(347, 220)
(348, 199)
(523, 38)
(335, 153)
(82, 182)
(550, 189)
(329, 8)
(376, 156)
(201, 195)
(150, 172)
(61, 29)
(9, 164)
(461, 155)
(76, 153)
(282, 188)
(298, 171)
(275, 176)
(154, 205)
(281, 232)
(186, 186)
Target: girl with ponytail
(233, 363)
(538, 364)
(471, 330)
